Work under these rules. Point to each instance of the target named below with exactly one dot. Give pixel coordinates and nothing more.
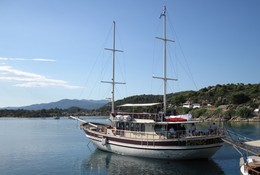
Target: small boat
(56, 117)
(251, 164)
(152, 135)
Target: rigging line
(179, 61)
(189, 70)
(93, 87)
(106, 91)
(155, 61)
(174, 72)
(118, 93)
(171, 58)
(120, 67)
(106, 58)
(104, 69)
(170, 87)
(152, 69)
(159, 89)
(96, 60)
(118, 62)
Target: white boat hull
(158, 152)
(243, 171)
(244, 167)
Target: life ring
(104, 141)
(114, 131)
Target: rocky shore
(233, 119)
(240, 119)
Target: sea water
(48, 146)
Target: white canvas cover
(139, 104)
(255, 143)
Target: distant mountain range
(65, 104)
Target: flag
(163, 12)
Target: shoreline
(202, 118)
(233, 119)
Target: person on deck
(213, 129)
(171, 131)
(183, 129)
(174, 112)
(193, 129)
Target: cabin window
(132, 127)
(159, 128)
(137, 126)
(142, 127)
(126, 126)
(122, 125)
(117, 125)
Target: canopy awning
(139, 105)
(143, 121)
(255, 143)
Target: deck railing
(153, 116)
(252, 170)
(158, 134)
(166, 134)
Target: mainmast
(164, 78)
(113, 82)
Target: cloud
(43, 59)
(25, 59)
(29, 80)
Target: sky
(53, 50)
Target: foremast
(113, 82)
(164, 78)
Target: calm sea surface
(48, 146)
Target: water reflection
(108, 163)
(241, 125)
(248, 129)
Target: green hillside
(226, 101)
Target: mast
(113, 82)
(164, 78)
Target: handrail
(238, 140)
(256, 172)
(159, 135)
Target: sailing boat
(249, 164)
(149, 134)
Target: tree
(230, 113)
(244, 112)
(198, 112)
(239, 98)
(179, 99)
